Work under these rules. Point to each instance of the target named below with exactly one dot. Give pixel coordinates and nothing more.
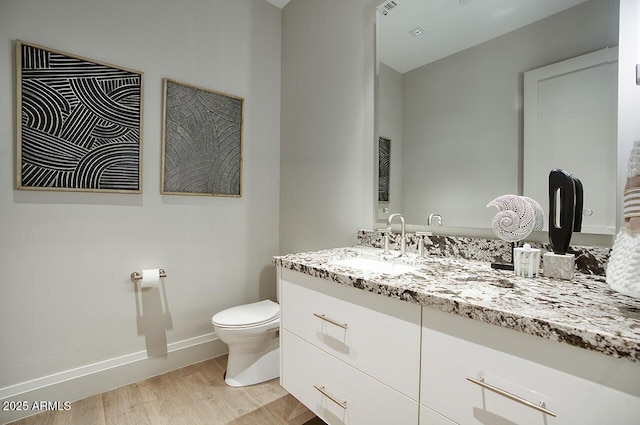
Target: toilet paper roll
(150, 278)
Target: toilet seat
(247, 315)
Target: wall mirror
(450, 95)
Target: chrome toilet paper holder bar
(135, 276)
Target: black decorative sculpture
(565, 209)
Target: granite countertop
(583, 312)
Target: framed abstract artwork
(79, 123)
(201, 141)
(384, 168)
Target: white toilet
(251, 332)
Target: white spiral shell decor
(538, 212)
(517, 217)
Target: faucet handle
(432, 216)
(386, 243)
(421, 243)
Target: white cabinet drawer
(376, 334)
(599, 390)
(338, 393)
(429, 417)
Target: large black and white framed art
(79, 123)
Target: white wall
(66, 300)
(328, 138)
(390, 112)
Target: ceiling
(279, 3)
(450, 26)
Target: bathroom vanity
(368, 339)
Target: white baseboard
(82, 382)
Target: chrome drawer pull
(324, 392)
(333, 322)
(540, 407)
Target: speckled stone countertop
(583, 312)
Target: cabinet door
(376, 334)
(570, 107)
(338, 393)
(456, 349)
(429, 417)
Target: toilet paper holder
(136, 276)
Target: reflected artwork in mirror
(452, 98)
(384, 163)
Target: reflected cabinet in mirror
(451, 96)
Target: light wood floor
(192, 395)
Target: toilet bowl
(251, 332)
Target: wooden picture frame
(201, 141)
(79, 124)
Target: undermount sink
(376, 266)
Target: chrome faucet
(432, 216)
(387, 236)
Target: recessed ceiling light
(416, 31)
